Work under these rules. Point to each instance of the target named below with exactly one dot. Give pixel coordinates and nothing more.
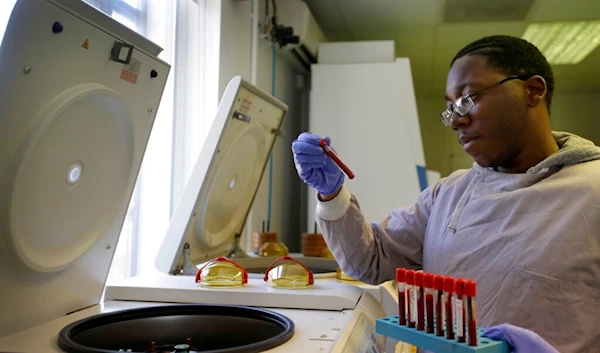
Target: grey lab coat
(531, 242)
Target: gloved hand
(314, 167)
(522, 340)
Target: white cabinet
(369, 111)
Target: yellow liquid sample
(342, 276)
(273, 249)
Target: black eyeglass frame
(446, 115)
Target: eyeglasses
(464, 104)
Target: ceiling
(430, 32)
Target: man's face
(495, 130)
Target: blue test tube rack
(389, 327)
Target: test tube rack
(389, 327)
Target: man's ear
(536, 90)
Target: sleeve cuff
(335, 208)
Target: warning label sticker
(130, 72)
(245, 106)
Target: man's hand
(520, 339)
(314, 167)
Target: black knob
(153, 74)
(57, 27)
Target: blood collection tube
(336, 159)
(470, 293)
(449, 305)
(420, 301)
(429, 309)
(411, 299)
(401, 282)
(438, 304)
(459, 292)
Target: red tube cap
(400, 274)
(459, 286)
(438, 282)
(428, 280)
(410, 277)
(470, 288)
(418, 278)
(449, 284)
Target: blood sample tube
(420, 301)
(336, 159)
(429, 309)
(459, 292)
(449, 306)
(438, 304)
(411, 299)
(401, 282)
(470, 293)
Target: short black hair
(513, 56)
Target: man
(523, 222)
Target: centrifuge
(77, 104)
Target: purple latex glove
(520, 339)
(314, 167)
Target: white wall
(576, 113)
(235, 59)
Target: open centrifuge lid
(78, 99)
(217, 198)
